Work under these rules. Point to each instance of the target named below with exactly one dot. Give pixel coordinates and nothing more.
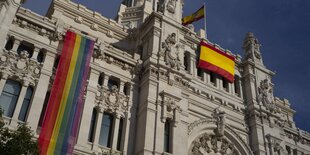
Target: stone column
(35, 53)
(106, 79)
(97, 130)
(19, 104)
(35, 108)
(88, 109)
(121, 87)
(115, 131)
(193, 66)
(2, 82)
(16, 45)
(125, 134)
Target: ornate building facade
(145, 94)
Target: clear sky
(281, 26)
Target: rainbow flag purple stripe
(64, 109)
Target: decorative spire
(251, 47)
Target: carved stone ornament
(265, 96)
(220, 118)
(99, 52)
(170, 108)
(171, 5)
(251, 45)
(170, 51)
(20, 66)
(275, 145)
(111, 100)
(161, 6)
(212, 144)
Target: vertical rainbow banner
(61, 122)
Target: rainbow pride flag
(64, 109)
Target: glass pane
(24, 110)
(28, 93)
(12, 87)
(92, 126)
(8, 103)
(105, 133)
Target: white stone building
(144, 94)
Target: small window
(237, 86)
(200, 73)
(9, 97)
(92, 127)
(41, 56)
(26, 103)
(167, 136)
(25, 46)
(101, 79)
(56, 62)
(9, 44)
(213, 78)
(105, 137)
(113, 82)
(225, 84)
(186, 61)
(47, 96)
(126, 90)
(120, 133)
(288, 149)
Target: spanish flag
(199, 14)
(214, 60)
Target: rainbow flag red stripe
(64, 108)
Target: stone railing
(20, 66)
(108, 151)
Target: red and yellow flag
(199, 14)
(214, 60)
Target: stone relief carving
(99, 52)
(251, 45)
(111, 100)
(219, 117)
(170, 109)
(265, 96)
(275, 145)
(170, 50)
(171, 5)
(20, 66)
(211, 144)
(161, 6)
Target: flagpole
(205, 19)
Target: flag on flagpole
(199, 14)
(215, 60)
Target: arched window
(41, 56)
(105, 137)
(25, 46)
(9, 44)
(120, 133)
(9, 97)
(92, 126)
(25, 106)
(101, 79)
(167, 136)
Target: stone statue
(161, 6)
(220, 118)
(251, 45)
(170, 50)
(171, 5)
(139, 2)
(265, 97)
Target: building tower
(8, 9)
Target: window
(288, 149)
(25, 106)
(237, 85)
(167, 136)
(92, 126)
(120, 132)
(44, 109)
(213, 78)
(101, 79)
(56, 62)
(25, 46)
(126, 90)
(9, 44)
(9, 97)
(41, 55)
(225, 84)
(113, 82)
(200, 73)
(106, 130)
(186, 61)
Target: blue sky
(282, 27)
